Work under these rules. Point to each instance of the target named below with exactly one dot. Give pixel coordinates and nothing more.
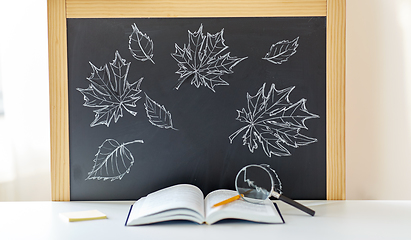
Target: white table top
(333, 220)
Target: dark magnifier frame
(272, 192)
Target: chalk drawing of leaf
(158, 115)
(202, 60)
(273, 121)
(110, 92)
(281, 51)
(113, 160)
(140, 45)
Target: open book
(186, 202)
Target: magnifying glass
(255, 183)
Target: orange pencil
(232, 199)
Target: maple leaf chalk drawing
(110, 92)
(273, 121)
(113, 160)
(203, 60)
(140, 45)
(281, 51)
(157, 114)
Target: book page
(174, 197)
(135, 217)
(239, 209)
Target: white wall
(24, 136)
(378, 98)
(378, 110)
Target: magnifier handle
(297, 205)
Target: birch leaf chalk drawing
(281, 51)
(203, 60)
(113, 160)
(158, 115)
(140, 45)
(273, 121)
(110, 92)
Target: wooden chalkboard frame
(60, 10)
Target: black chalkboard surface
(155, 102)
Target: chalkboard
(206, 132)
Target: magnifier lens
(254, 182)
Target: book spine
(128, 215)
